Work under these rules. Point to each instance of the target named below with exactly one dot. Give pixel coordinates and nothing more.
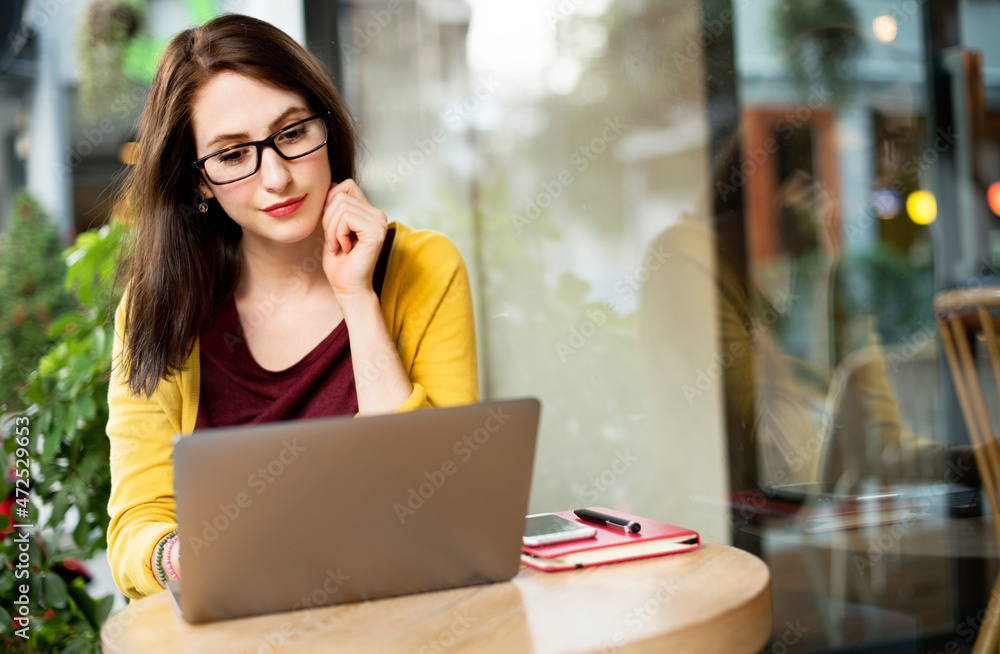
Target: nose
(274, 171)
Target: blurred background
(706, 234)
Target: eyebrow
(243, 137)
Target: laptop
(293, 515)
(850, 447)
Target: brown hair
(182, 265)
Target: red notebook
(611, 544)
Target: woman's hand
(354, 231)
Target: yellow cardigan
(427, 305)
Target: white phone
(546, 528)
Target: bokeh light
(128, 153)
(922, 207)
(887, 203)
(993, 197)
(884, 28)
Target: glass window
(707, 236)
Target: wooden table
(714, 599)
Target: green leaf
(60, 504)
(90, 466)
(87, 407)
(52, 441)
(5, 622)
(85, 604)
(104, 609)
(60, 324)
(55, 590)
(100, 543)
(78, 645)
(82, 529)
(44, 423)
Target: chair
(961, 314)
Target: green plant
(109, 31)
(31, 291)
(821, 42)
(880, 284)
(67, 413)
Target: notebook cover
(609, 538)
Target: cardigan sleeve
(433, 323)
(141, 504)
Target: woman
(261, 284)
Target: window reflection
(566, 147)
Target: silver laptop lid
(291, 515)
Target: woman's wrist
(381, 383)
(158, 568)
(168, 557)
(358, 305)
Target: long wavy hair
(182, 265)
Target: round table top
(713, 599)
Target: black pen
(607, 520)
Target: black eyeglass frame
(260, 145)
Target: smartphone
(546, 528)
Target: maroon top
(236, 390)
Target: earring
(203, 205)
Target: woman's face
(232, 109)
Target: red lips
(285, 207)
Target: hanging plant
(107, 30)
(820, 43)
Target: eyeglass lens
(295, 141)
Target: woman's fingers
(350, 188)
(348, 212)
(344, 230)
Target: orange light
(993, 197)
(884, 28)
(128, 153)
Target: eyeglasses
(240, 161)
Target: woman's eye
(233, 157)
(292, 135)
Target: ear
(203, 187)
